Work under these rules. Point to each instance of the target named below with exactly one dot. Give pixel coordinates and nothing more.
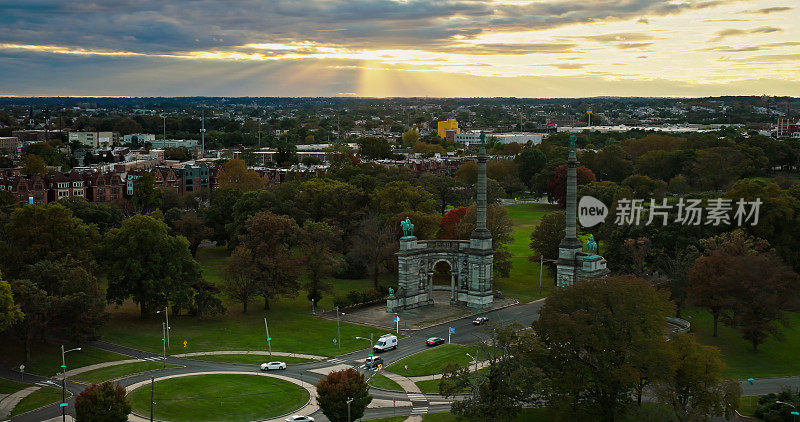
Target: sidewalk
(10, 401)
(481, 365)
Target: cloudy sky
(454, 48)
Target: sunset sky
(379, 48)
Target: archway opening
(441, 273)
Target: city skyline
(375, 48)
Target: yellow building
(449, 124)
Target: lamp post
(349, 400)
(64, 381)
(338, 331)
(368, 339)
(164, 343)
(794, 413)
(475, 387)
(166, 316)
(313, 310)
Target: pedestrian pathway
(481, 365)
(249, 352)
(10, 401)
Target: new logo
(591, 211)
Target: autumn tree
(449, 222)
(595, 338)
(334, 391)
(557, 186)
(399, 196)
(271, 260)
(374, 148)
(320, 244)
(235, 175)
(410, 137)
(144, 262)
(33, 164)
(106, 402)
(192, 228)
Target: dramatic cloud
(725, 33)
(769, 10)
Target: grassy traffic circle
(219, 397)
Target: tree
(10, 312)
(50, 232)
(547, 235)
(238, 281)
(449, 222)
(374, 148)
(35, 304)
(272, 262)
(506, 383)
(337, 388)
(104, 402)
(320, 243)
(557, 186)
(286, 152)
(218, 213)
(717, 168)
(371, 244)
(410, 137)
(104, 216)
(693, 387)
(146, 198)
(33, 164)
(596, 337)
(443, 188)
(192, 228)
(235, 175)
(613, 164)
(530, 162)
(400, 196)
(142, 261)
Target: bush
(334, 390)
(770, 411)
(104, 402)
(356, 298)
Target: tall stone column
(481, 232)
(570, 245)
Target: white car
(269, 366)
(299, 418)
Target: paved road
(465, 333)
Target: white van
(386, 342)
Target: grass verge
(8, 386)
(381, 381)
(46, 357)
(250, 359)
(220, 398)
(118, 371)
(37, 399)
(433, 361)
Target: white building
(95, 139)
(473, 138)
(138, 138)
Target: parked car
(373, 362)
(299, 418)
(386, 342)
(480, 320)
(434, 341)
(270, 366)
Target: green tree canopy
(106, 402)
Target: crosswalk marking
(419, 410)
(152, 358)
(417, 397)
(336, 360)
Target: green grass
(433, 361)
(251, 359)
(773, 358)
(391, 419)
(37, 399)
(381, 381)
(46, 357)
(8, 386)
(748, 405)
(220, 398)
(291, 325)
(429, 386)
(523, 282)
(118, 371)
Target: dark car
(373, 362)
(480, 320)
(434, 341)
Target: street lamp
(794, 413)
(349, 400)
(364, 338)
(63, 404)
(166, 316)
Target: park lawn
(251, 359)
(37, 399)
(523, 282)
(212, 260)
(390, 419)
(8, 386)
(118, 371)
(433, 361)
(748, 405)
(773, 358)
(381, 381)
(46, 357)
(432, 386)
(220, 397)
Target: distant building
(449, 124)
(95, 139)
(28, 136)
(788, 128)
(472, 138)
(9, 144)
(138, 139)
(173, 143)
